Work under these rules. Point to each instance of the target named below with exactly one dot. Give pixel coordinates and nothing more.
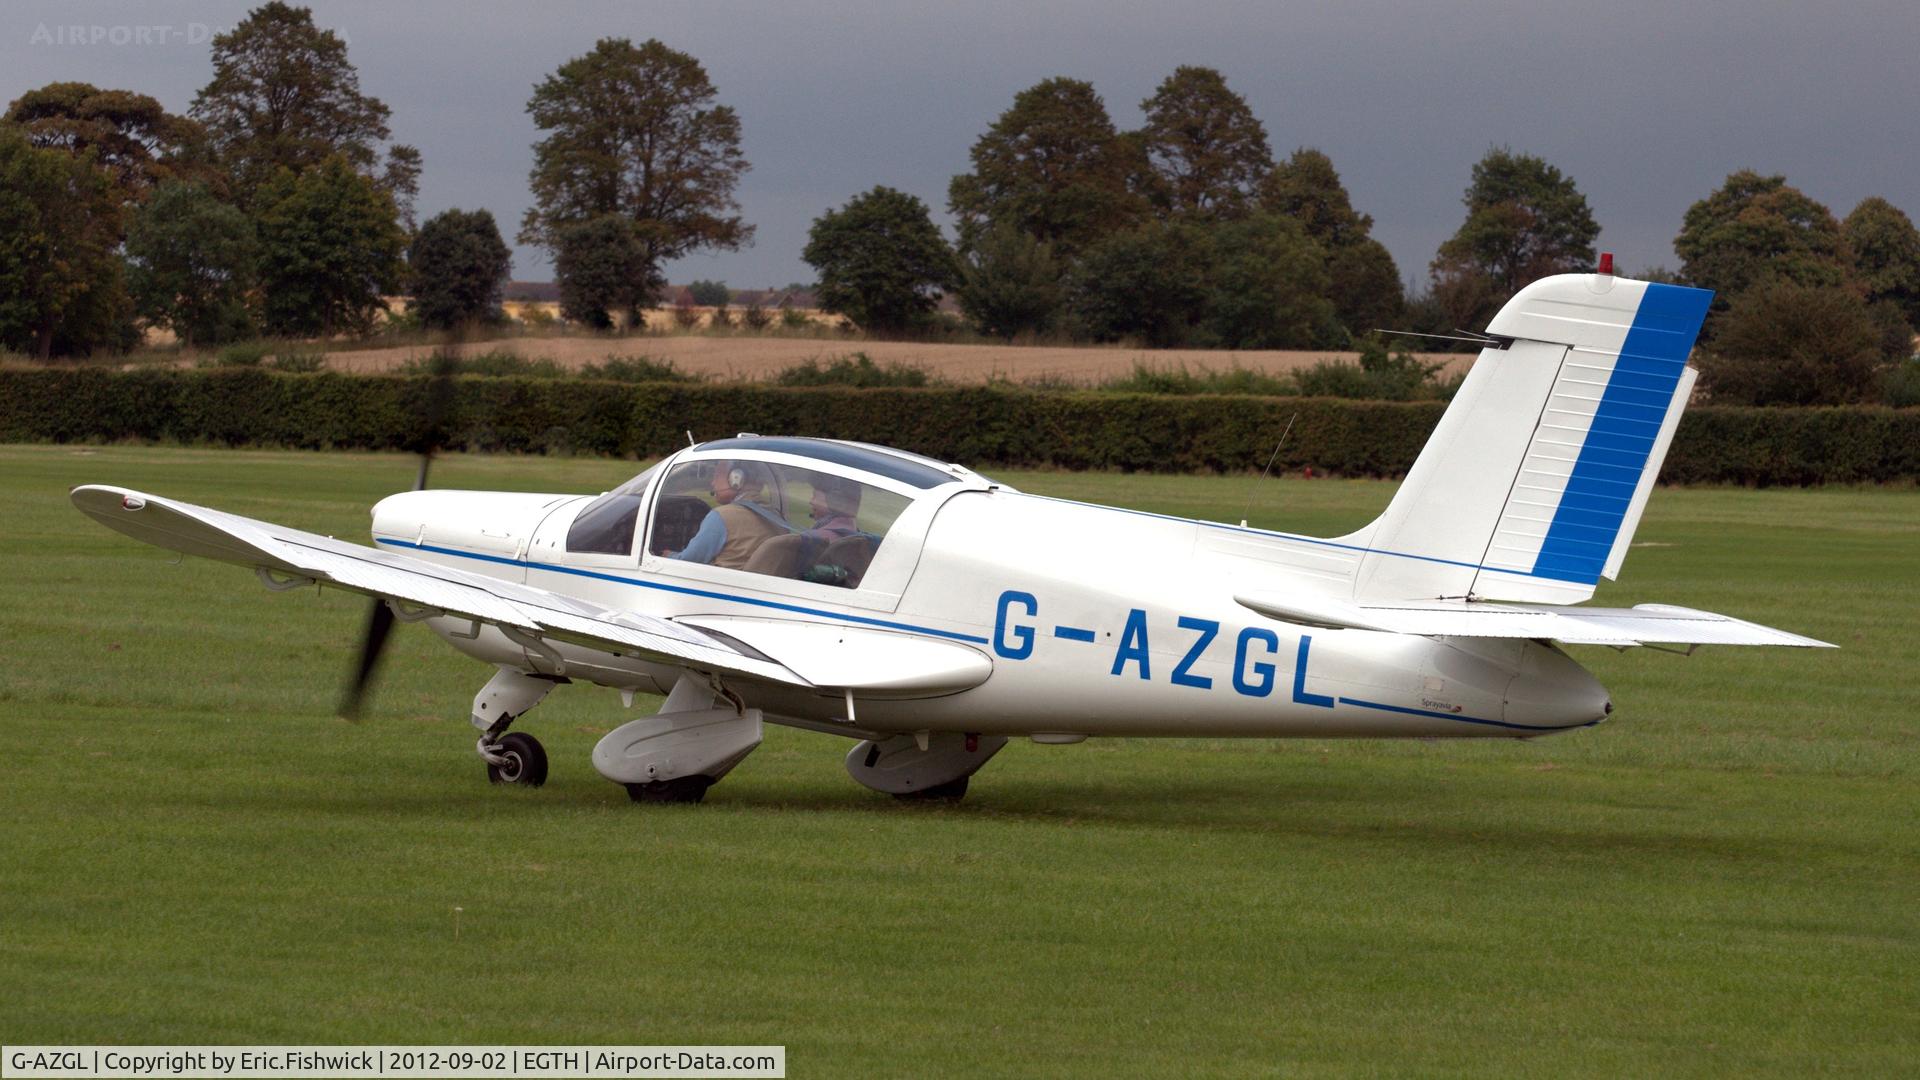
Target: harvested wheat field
(760, 358)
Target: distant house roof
(773, 298)
(536, 291)
(674, 295)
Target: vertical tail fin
(1532, 484)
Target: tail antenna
(1468, 336)
(1271, 458)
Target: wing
(1641, 625)
(286, 558)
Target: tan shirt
(746, 531)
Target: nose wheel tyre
(523, 761)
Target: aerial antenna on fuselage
(1271, 458)
(690, 441)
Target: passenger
(836, 511)
(732, 530)
(835, 507)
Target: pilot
(732, 530)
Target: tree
(1051, 166)
(1207, 151)
(1307, 188)
(130, 135)
(460, 267)
(329, 249)
(283, 96)
(401, 178)
(710, 293)
(1266, 285)
(1458, 298)
(1364, 284)
(61, 289)
(1784, 343)
(1145, 283)
(1895, 332)
(1757, 229)
(632, 131)
(602, 268)
(190, 261)
(1525, 220)
(1010, 283)
(1886, 255)
(881, 261)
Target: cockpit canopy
(813, 510)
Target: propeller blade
(372, 643)
(435, 404)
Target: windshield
(607, 525)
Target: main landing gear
(511, 757)
(929, 767)
(675, 755)
(700, 733)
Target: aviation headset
(736, 478)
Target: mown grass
(1724, 880)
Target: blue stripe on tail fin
(1625, 427)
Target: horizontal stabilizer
(1647, 624)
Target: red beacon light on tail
(1606, 264)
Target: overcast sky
(1648, 105)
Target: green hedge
(985, 426)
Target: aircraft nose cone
(1551, 690)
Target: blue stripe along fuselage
(1625, 424)
(1064, 632)
(684, 590)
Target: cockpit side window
(607, 525)
(773, 519)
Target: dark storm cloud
(1647, 105)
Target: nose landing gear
(511, 757)
(518, 758)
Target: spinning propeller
(437, 396)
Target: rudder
(1533, 482)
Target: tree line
(280, 204)
(1189, 232)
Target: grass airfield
(1725, 879)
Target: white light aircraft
(933, 614)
